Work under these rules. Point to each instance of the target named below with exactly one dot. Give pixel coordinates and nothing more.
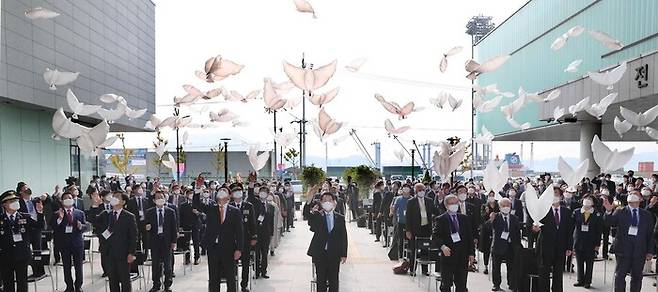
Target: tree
(426, 177)
(312, 176)
(291, 156)
(122, 162)
(219, 158)
(364, 176)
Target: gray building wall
(110, 42)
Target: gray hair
(505, 200)
(449, 198)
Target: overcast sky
(400, 39)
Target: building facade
(111, 44)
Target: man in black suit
(117, 234)
(506, 238)
(223, 238)
(68, 227)
(328, 248)
(454, 236)
(265, 231)
(249, 227)
(516, 206)
(587, 231)
(555, 243)
(28, 206)
(138, 205)
(377, 197)
(353, 198)
(634, 240)
(162, 228)
(420, 211)
(470, 210)
(16, 229)
(190, 222)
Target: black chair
(42, 256)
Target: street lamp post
(413, 151)
(226, 158)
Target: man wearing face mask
(420, 212)
(377, 195)
(586, 240)
(16, 229)
(328, 248)
(189, 222)
(634, 240)
(290, 205)
(399, 210)
(223, 239)
(250, 237)
(28, 205)
(516, 206)
(68, 227)
(117, 234)
(468, 209)
(506, 233)
(265, 231)
(176, 198)
(554, 244)
(453, 234)
(138, 205)
(162, 228)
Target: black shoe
(486, 271)
(377, 240)
(196, 262)
(245, 290)
(104, 275)
(293, 226)
(271, 253)
(155, 289)
(265, 276)
(496, 288)
(173, 275)
(79, 290)
(68, 290)
(578, 284)
(167, 290)
(587, 286)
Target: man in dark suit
(138, 205)
(377, 197)
(454, 236)
(554, 244)
(162, 228)
(328, 248)
(265, 231)
(249, 227)
(353, 198)
(190, 222)
(588, 225)
(420, 211)
(516, 206)
(16, 229)
(223, 238)
(506, 238)
(470, 210)
(117, 234)
(634, 240)
(28, 206)
(68, 227)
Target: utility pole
(226, 158)
(274, 165)
(413, 177)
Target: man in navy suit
(588, 225)
(223, 239)
(68, 226)
(634, 240)
(162, 228)
(328, 248)
(28, 206)
(506, 238)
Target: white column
(587, 131)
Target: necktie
(330, 225)
(455, 223)
(68, 216)
(557, 217)
(139, 204)
(635, 219)
(12, 218)
(160, 218)
(221, 214)
(463, 208)
(30, 208)
(114, 219)
(506, 223)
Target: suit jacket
(376, 202)
(229, 235)
(265, 228)
(188, 220)
(473, 213)
(413, 213)
(441, 235)
(587, 240)
(627, 245)
(387, 200)
(24, 225)
(335, 241)
(517, 209)
(248, 219)
(499, 245)
(73, 239)
(553, 241)
(123, 240)
(133, 207)
(169, 225)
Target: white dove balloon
(236, 96)
(510, 109)
(598, 109)
(355, 65)
(113, 115)
(327, 124)
(154, 123)
(285, 139)
(399, 154)
(134, 114)
(394, 108)
(223, 115)
(561, 40)
(447, 158)
(112, 98)
(108, 142)
(40, 13)
(475, 69)
(64, 127)
(454, 102)
(440, 100)
(444, 61)
(273, 101)
(79, 108)
(388, 125)
(292, 102)
(484, 137)
(304, 6)
(495, 178)
(609, 78)
(579, 106)
(489, 105)
(56, 78)
(558, 112)
(89, 141)
(610, 160)
(572, 176)
(512, 122)
(553, 95)
(621, 127)
(573, 66)
(538, 207)
(640, 120)
(309, 79)
(534, 96)
(324, 98)
(257, 161)
(218, 68)
(170, 162)
(606, 40)
(651, 132)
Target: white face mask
(108, 198)
(633, 198)
(491, 199)
(505, 210)
(114, 201)
(222, 195)
(462, 197)
(646, 193)
(205, 195)
(262, 195)
(270, 199)
(67, 202)
(568, 195)
(471, 191)
(14, 206)
(420, 194)
(327, 206)
(605, 192)
(237, 195)
(76, 193)
(160, 202)
(587, 203)
(453, 208)
(556, 200)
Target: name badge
(504, 235)
(217, 239)
(455, 237)
(141, 214)
(69, 229)
(512, 212)
(632, 230)
(18, 237)
(246, 220)
(584, 228)
(160, 229)
(261, 218)
(246, 212)
(106, 234)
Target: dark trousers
(326, 271)
(606, 242)
(454, 272)
(37, 266)
(220, 266)
(556, 265)
(118, 273)
(585, 264)
(425, 231)
(627, 265)
(497, 260)
(378, 225)
(401, 230)
(354, 208)
(290, 219)
(185, 244)
(72, 255)
(245, 261)
(105, 259)
(161, 260)
(262, 250)
(14, 271)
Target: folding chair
(184, 251)
(42, 256)
(422, 245)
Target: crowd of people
(232, 224)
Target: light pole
(413, 151)
(226, 158)
(179, 147)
